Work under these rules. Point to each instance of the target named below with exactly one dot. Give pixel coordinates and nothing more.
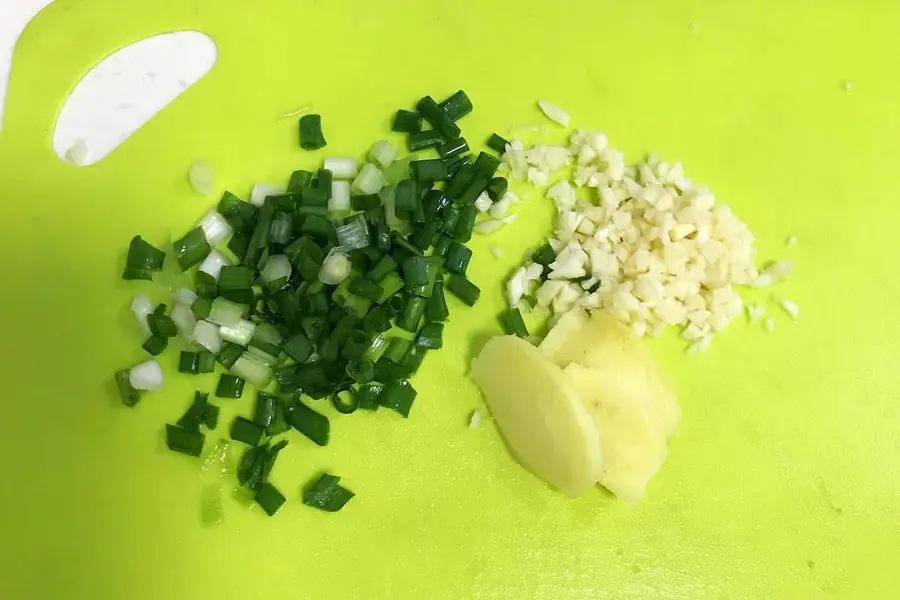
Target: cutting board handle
(56, 50)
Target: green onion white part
(383, 153)
(263, 190)
(335, 268)
(267, 333)
(788, 306)
(141, 306)
(184, 319)
(342, 167)
(277, 267)
(185, 296)
(369, 181)
(353, 235)
(202, 178)
(215, 227)
(500, 209)
(77, 153)
(207, 335)
(224, 312)
(214, 262)
(252, 369)
(239, 333)
(340, 197)
(147, 376)
(475, 419)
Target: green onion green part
(311, 136)
(246, 431)
(497, 144)
(325, 494)
(143, 260)
(191, 249)
(184, 441)
(463, 289)
(230, 386)
(398, 395)
(269, 498)
(406, 121)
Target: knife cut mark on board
(127, 89)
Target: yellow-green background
(783, 480)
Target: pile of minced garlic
(640, 241)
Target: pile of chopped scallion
(333, 287)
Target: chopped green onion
(369, 181)
(207, 335)
(206, 361)
(431, 336)
(458, 257)
(361, 371)
(423, 140)
(432, 113)
(397, 349)
(299, 180)
(449, 219)
(230, 386)
(314, 327)
(415, 272)
(280, 424)
(252, 369)
(497, 144)
(311, 137)
(471, 193)
(391, 284)
(436, 308)
(412, 314)
(298, 347)
(162, 325)
(188, 363)
(455, 164)
(428, 170)
(246, 431)
(310, 423)
(365, 202)
(377, 347)
(414, 360)
(266, 408)
(356, 345)
(277, 268)
(229, 354)
(345, 402)
(460, 182)
(368, 395)
(464, 289)
(184, 441)
(365, 288)
(240, 333)
(207, 286)
(211, 417)
(325, 494)
(405, 199)
(260, 238)
(457, 106)
(127, 393)
(385, 266)
(544, 255)
(406, 121)
(354, 233)
(513, 324)
(191, 249)
(434, 203)
(241, 215)
(225, 312)
(453, 148)
(201, 307)
(496, 188)
(335, 269)
(398, 395)
(195, 413)
(486, 165)
(154, 345)
(143, 260)
(442, 246)
(383, 153)
(146, 376)
(466, 223)
(269, 498)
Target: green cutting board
(783, 480)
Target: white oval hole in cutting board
(125, 90)
(14, 17)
